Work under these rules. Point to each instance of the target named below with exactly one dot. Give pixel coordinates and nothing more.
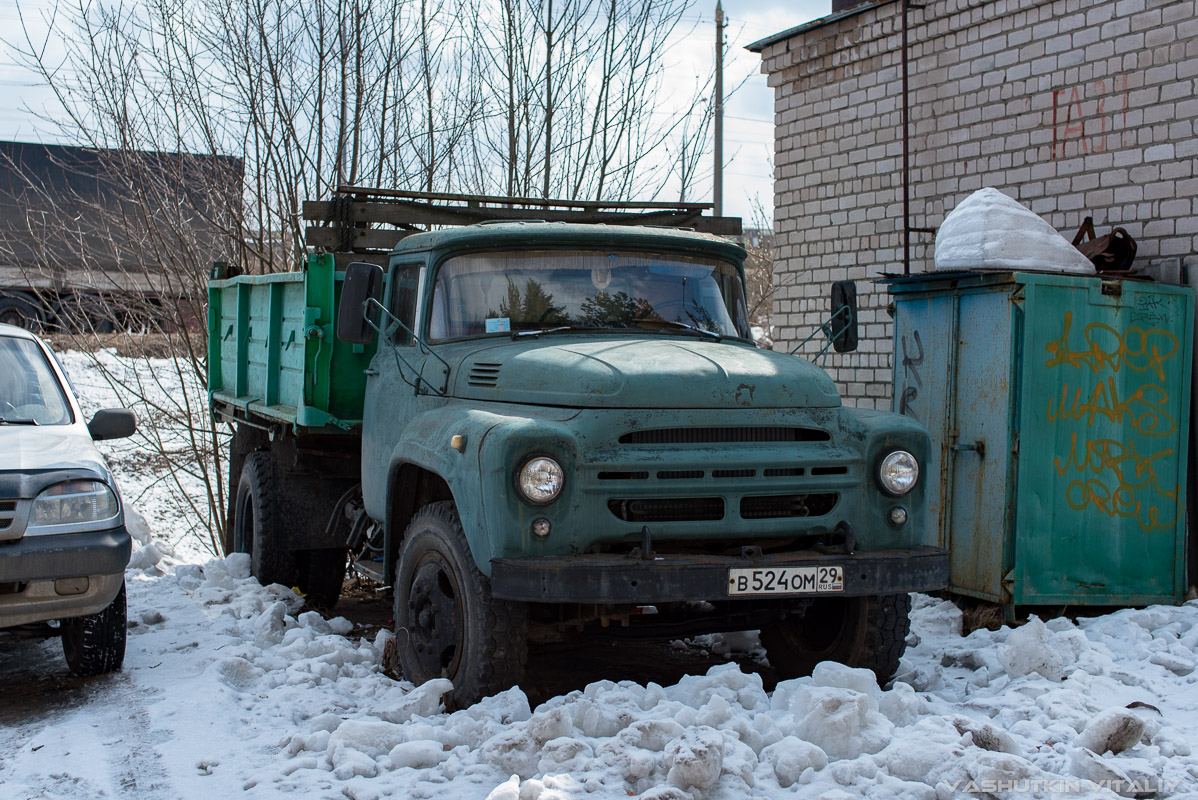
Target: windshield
(29, 391)
(517, 291)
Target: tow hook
(850, 538)
(646, 544)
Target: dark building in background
(93, 238)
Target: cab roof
(532, 235)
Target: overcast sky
(749, 112)
(748, 121)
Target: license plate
(785, 580)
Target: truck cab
(568, 426)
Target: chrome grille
(790, 505)
(656, 509)
(740, 435)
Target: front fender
(427, 443)
(480, 475)
(878, 433)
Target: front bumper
(62, 576)
(676, 578)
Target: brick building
(1075, 108)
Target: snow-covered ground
(228, 689)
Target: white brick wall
(1073, 108)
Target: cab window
(405, 295)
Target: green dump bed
(273, 354)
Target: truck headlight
(898, 472)
(541, 480)
(75, 503)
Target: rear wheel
(257, 521)
(84, 313)
(21, 312)
(95, 644)
(868, 632)
(447, 625)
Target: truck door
(391, 392)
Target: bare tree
(520, 97)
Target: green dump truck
(530, 429)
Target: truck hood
(641, 372)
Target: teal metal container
(1059, 413)
(273, 352)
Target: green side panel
(215, 375)
(1102, 456)
(273, 351)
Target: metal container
(1059, 412)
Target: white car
(63, 542)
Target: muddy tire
(257, 523)
(95, 644)
(447, 625)
(321, 575)
(868, 632)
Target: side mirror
(363, 282)
(112, 423)
(843, 326)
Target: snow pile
(1036, 704)
(990, 231)
(1058, 702)
(235, 689)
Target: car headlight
(898, 472)
(78, 502)
(541, 480)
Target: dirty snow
(990, 231)
(229, 688)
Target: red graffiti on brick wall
(1094, 115)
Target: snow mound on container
(990, 231)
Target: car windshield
(515, 291)
(30, 393)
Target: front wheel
(95, 644)
(447, 625)
(869, 632)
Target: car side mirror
(363, 282)
(112, 423)
(843, 325)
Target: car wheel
(447, 625)
(95, 644)
(257, 524)
(868, 632)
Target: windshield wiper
(558, 329)
(675, 325)
(17, 421)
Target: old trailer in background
(94, 239)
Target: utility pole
(718, 187)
